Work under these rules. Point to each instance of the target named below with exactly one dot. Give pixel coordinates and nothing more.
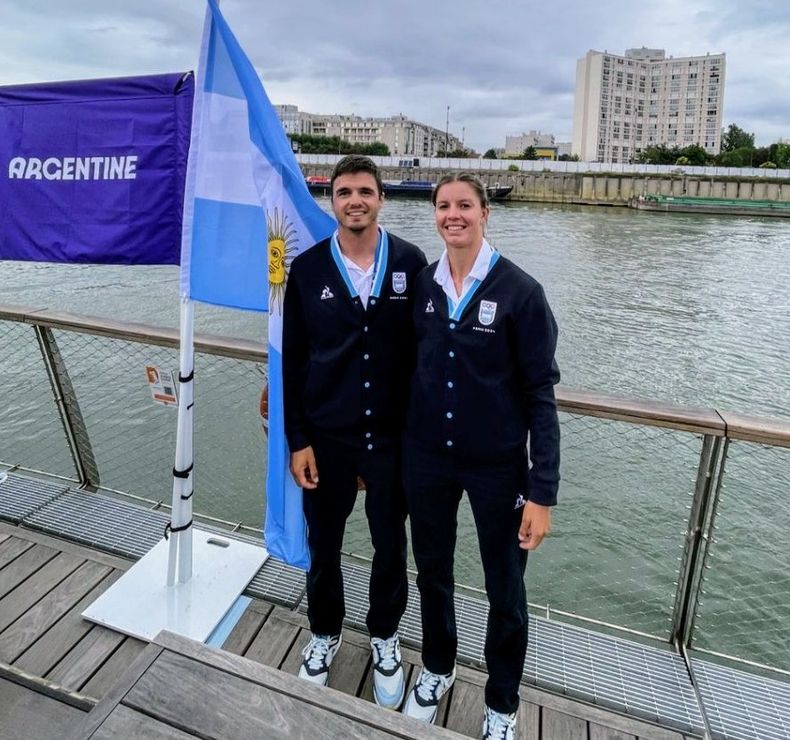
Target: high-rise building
(402, 135)
(625, 104)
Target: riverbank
(599, 189)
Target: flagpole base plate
(141, 604)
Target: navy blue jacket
(484, 384)
(346, 369)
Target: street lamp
(447, 134)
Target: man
(348, 354)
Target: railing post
(68, 409)
(697, 540)
(709, 539)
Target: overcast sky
(502, 67)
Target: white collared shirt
(479, 270)
(362, 280)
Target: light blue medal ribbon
(379, 269)
(456, 312)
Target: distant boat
(694, 204)
(409, 188)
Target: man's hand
(535, 525)
(303, 468)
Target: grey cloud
(503, 67)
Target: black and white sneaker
(388, 681)
(499, 726)
(424, 698)
(318, 655)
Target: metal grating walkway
(101, 522)
(21, 496)
(742, 705)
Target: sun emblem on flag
(282, 245)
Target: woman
(482, 419)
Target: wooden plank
(61, 545)
(528, 727)
(28, 628)
(246, 628)
(48, 650)
(599, 732)
(36, 587)
(110, 700)
(640, 411)
(757, 429)
(560, 726)
(27, 714)
(101, 681)
(23, 567)
(245, 349)
(217, 703)
(127, 723)
(272, 643)
(11, 549)
(85, 658)
(304, 691)
(465, 713)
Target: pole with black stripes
(179, 529)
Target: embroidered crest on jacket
(487, 312)
(399, 282)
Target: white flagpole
(179, 564)
(193, 599)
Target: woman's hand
(535, 525)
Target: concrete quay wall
(599, 189)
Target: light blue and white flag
(248, 213)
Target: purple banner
(93, 171)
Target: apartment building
(625, 104)
(402, 135)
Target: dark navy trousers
(326, 510)
(434, 482)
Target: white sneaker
(499, 726)
(424, 698)
(318, 655)
(388, 682)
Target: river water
(690, 309)
(682, 308)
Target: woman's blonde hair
(467, 177)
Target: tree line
(310, 144)
(737, 150)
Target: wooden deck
(55, 667)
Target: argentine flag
(247, 214)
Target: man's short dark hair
(353, 163)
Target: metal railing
(581, 168)
(674, 524)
